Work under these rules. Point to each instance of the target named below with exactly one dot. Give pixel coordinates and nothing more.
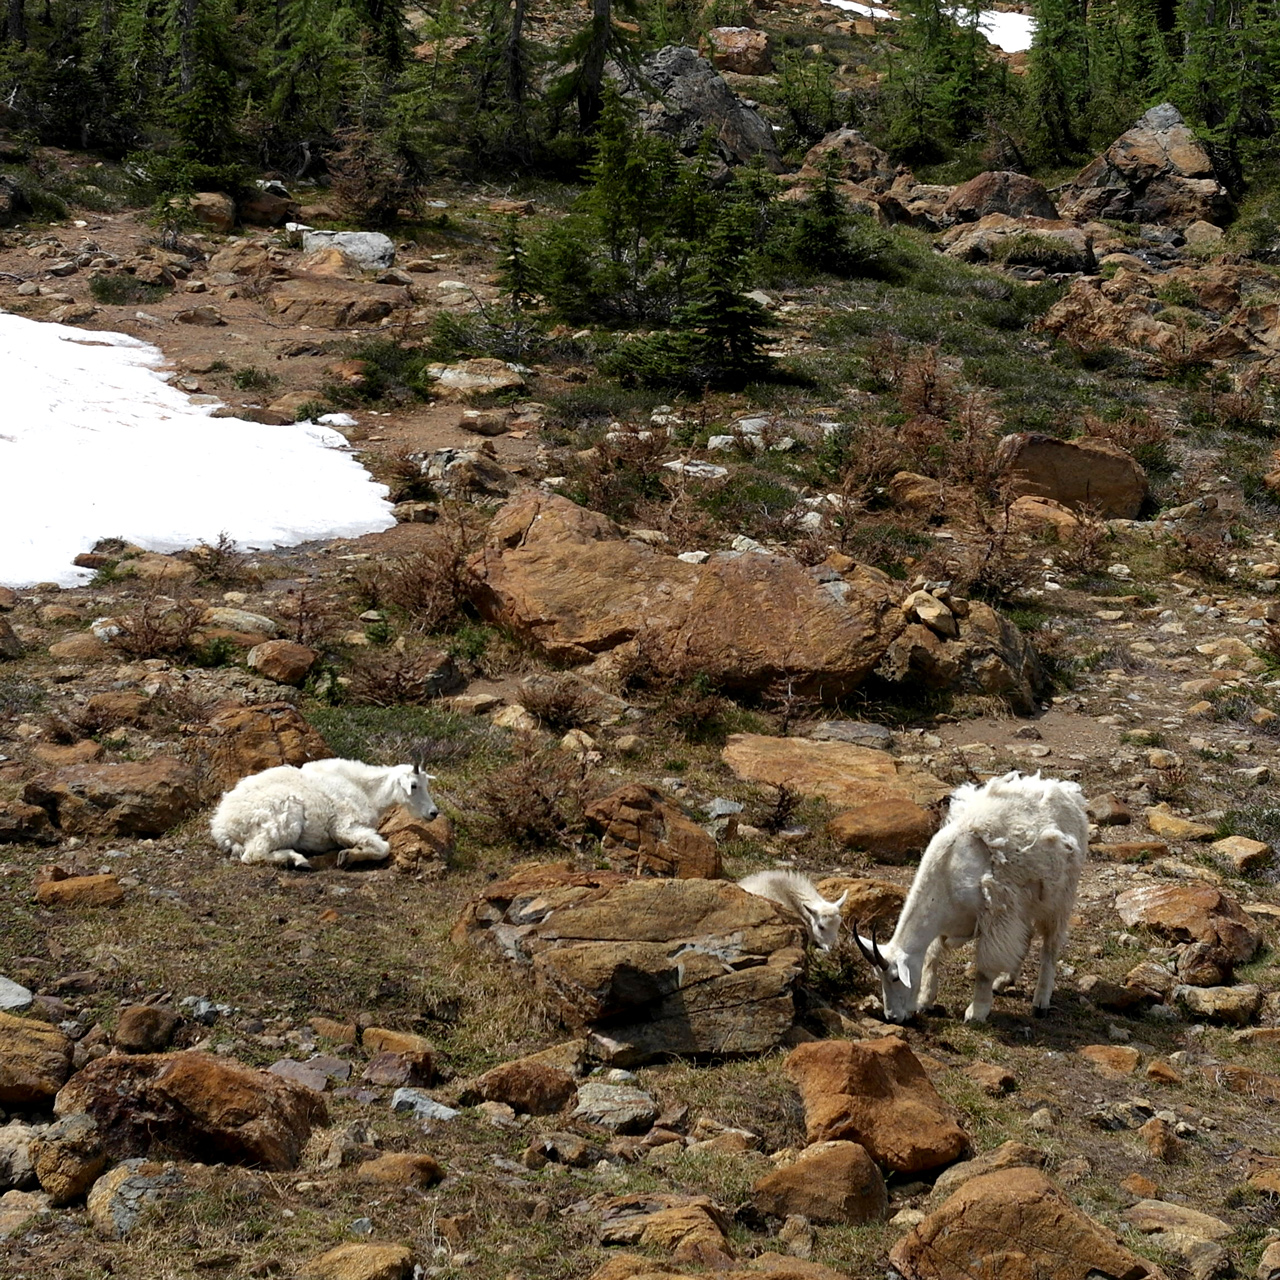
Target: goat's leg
(982, 997)
(1050, 947)
(931, 975)
(358, 843)
(279, 829)
(262, 849)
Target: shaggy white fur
(795, 892)
(282, 814)
(1004, 867)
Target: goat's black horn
(880, 961)
(872, 955)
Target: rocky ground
(648, 648)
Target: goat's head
(823, 920)
(413, 792)
(899, 988)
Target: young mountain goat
(324, 805)
(1005, 866)
(793, 891)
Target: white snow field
(1011, 32)
(95, 443)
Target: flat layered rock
(566, 579)
(648, 968)
(842, 773)
(1191, 912)
(1014, 1224)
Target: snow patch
(1011, 32)
(95, 443)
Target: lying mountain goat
(324, 805)
(791, 890)
(1005, 865)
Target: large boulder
(649, 968)
(831, 1182)
(693, 97)
(10, 645)
(327, 302)
(1085, 474)
(1088, 319)
(741, 50)
(565, 579)
(1014, 1224)
(35, 1061)
(642, 831)
(1191, 912)
(892, 830)
(868, 904)
(1021, 242)
(989, 655)
(242, 740)
(117, 799)
(1013, 194)
(196, 1106)
(1158, 171)
(367, 250)
(854, 158)
(842, 773)
(876, 1092)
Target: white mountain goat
(1004, 866)
(790, 889)
(282, 814)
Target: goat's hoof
(1038, 1011)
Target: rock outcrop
(565, 579)
(694, 98)
(875, 1092)
(1193, 912)
(1158, 171)
(1012, 194)
(116, 799)
(644, 832)
(195, 1106)
(842, 773)
(1085, 475)
(35, 1061)
(1014, 1223)
(649, 968)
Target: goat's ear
(904, 972)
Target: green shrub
(124, 291)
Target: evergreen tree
(1058, 78)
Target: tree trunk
(187, 44)
(515, 56)
(15, 23)
(591, 77)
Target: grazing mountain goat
(324, 805)
(1005, 866)
(789, 889)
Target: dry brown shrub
(432, 585)
(311, 614)
(393, 678)
(159, 626)
(1081, 550)
(557, 702)
(369, 181)
(1196, 553)
(223, 562)
(623, 474)
(924, 388)
(989, 566)
(538, 800)
(687, 526)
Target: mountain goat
(1004, 866)
(322, 806)
(790, 889)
